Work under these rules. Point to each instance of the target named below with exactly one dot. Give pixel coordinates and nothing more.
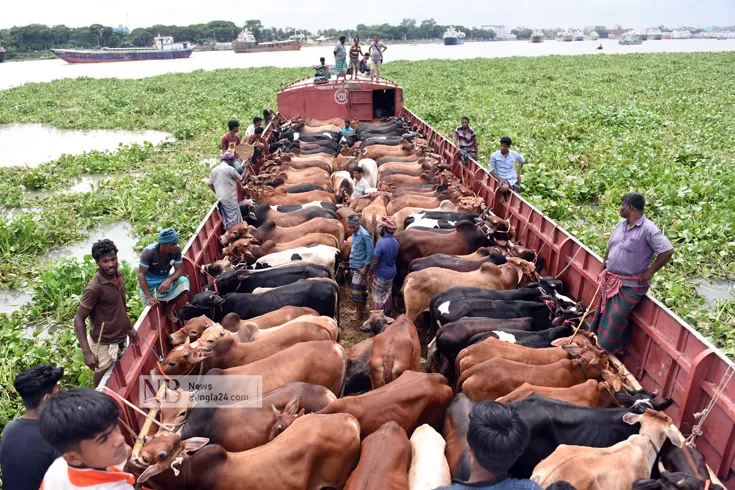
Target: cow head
(377, 322)
(206, 299)
(173, 409)
(230, 281)
(237, 232)
(675, 481)
(191, 330)
(180, 360)
(656, 426)
(590, 359)
(281, 420)
(210, 337)
(641, 400)
(239, 248)
(162, 453)
(523, 268)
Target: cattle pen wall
(664, 352)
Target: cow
(320, 295)
(379, 151)
(492, 348)
(611, 468)
(675, 481)
(451, 262)
(280, 196)
(497, 377)
(429, 468)
(437, 219)
(245, 281)
(385, 457)
(318, 362)
(313, 254)
(413, 399)
(395, 349)
(456, 426)
(373, 213)
(257, 215)
(591, 393)
(357, 376)
(343, 185)
(217, 267)
(419, 287)
(400, 180)
(420, 201)
(540, 339)
(405, 168)
(369, 171)
(401, 215)
(236, 427)
(254, 252)
(319, 452)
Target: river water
(14, 74)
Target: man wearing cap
(383, 266)
(154, 282)
(223, 181)
(361, 255)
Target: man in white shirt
(361, 185)
(257, 122)
(502, 165)
(377, 48)
(223, 181)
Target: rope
(702, 416)
(569, 264)
(158, 319)
(134, 407)
(132, 432)
(590, 308)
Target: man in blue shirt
(502, 165)
(347, 129)
(360, 257)
(497, 437)
(383, 267)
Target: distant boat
(594, 36)
(565, 37)
(163, 48)
(537, 37)
(452, 37)
(656, 36)
(630, 41)
(643, 36)
(246, 43)
(2, 54)
(578, 37)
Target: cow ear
(150, 403)
(573, 349)
(632, 418)
(151, 471)
(560, 341)
(292, 407)
(606, 374)
(673, 435)
(194, 444)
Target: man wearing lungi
(360, 257)
(627, 271)
(383, 266)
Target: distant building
(123, 29)
(499, 30)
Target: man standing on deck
(377, 48)
(503, 165)
(154, 282)
(223, 181)
(627, 271)
(361, 255)
(355, 53)
(340, 58)
(103, 301)
(466, 140)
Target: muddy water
(48, 143)
(715, 290)
(85, 183)
(13, 299)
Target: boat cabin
(352, 99)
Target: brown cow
(466, 238)
(239, 248)
(343, 213)
(420, 201)
(357, 376)
(401, 215)
(385, 458)
(456, 426)
(250, 331)
(270, 231)
(270, 247)
(405, 168)
(280, 196)
(359, 203)
(395, 349)
(591, 393)
(236, 232)
(400, 180)
(320, 178)
(419, 287)
(405, 149)
(411, 400)
(318, 451)
(497, 377)
(373, 213)
(321, 363)
(240, 426)
(492, 347)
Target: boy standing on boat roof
(340, 57)
(377, 48)
(466, 140)
(154, 282)
(223, 181)
(355, 52)
(627, 271)
(103, 301)
(503, 165)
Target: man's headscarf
(353, 220)
(168, 235)
(228, 156)
(388, 223)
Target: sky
(319, 14)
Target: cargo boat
(664, 352)
(537, 37)
(163, 48)
(453, 37)
(246, 43)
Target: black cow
(257, 215)
(245, 281)
(299, 188)
(442, 216)
(485, 308)
(454, 263)
(323, 296)
(311, 137)
(674, 481)
(388, 140)
(553, 422)
(537, 340)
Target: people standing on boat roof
(321, 71)
(364, 67)
(340, 58)
(361, 255)
(377, 48)
(256, 139)
(231, 140)
(497, 438)
(355, 53)
(24, 454)
(82, 425)
(104, 303)
(627, 271)
(257, 123)
(347, 129)
(155, 285)
(466, 140)
(223, 181)
(503, 165)
(383, 266)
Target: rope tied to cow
(702, 416)
(569, 263)
(589, 309)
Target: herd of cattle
(376, 415)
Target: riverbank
(591, 128)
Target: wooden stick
(148, 423)
(99, 339)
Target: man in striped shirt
(503, 165)
(466, 140)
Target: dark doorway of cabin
(384, 103)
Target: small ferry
(537, 37)
(246, 43)
(452, 37)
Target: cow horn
(661, 468)
(275, 410)
(681, 483)
(654, 393)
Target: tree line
(408, 30)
